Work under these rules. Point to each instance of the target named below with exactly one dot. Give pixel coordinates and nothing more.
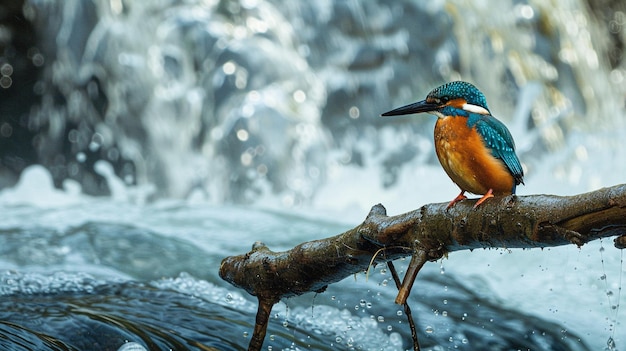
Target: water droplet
(350, 342)
(333, 297)
(272, 337)
(384, 283)
(603, 277)
(299, 96)
(368, 305)
(444, 313)
(464, 340)
(245, 334)
(81, 157)
(601, 248)
(285, 324)
(242, 135)
(6, 69)
(270, 348)
(389, 328)
(132, 346)
(229, 67)
(445, 302)
(381, 319)
(610, 344)
(442, 270)
(399, 313)
(429, 330)
(338, 339)
(362, 303)
(229, 297)
(609, 293)
(354, 112)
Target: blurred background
(134, 133)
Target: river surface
(83, 273)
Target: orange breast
(466, 159)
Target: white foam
(36, 188)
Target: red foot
(457, 199)
(485, 197)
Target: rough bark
(427, 234)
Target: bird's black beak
(417, 107)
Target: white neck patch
(437, 113)
(475, 109)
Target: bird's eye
(444, 100)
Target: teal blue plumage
(459, 88)
(499, 140)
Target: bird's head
(443, 100)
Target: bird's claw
(459, 197)
(485, 197)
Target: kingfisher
(475, 149)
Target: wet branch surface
(426, 234)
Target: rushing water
(143, 141)
(83, 274)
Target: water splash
(240, 101)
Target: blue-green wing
(498, 138)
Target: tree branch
(428, 233)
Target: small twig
(367, 272)
(260, 325)
(382, 250)
(417, 262)
(407, 309)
